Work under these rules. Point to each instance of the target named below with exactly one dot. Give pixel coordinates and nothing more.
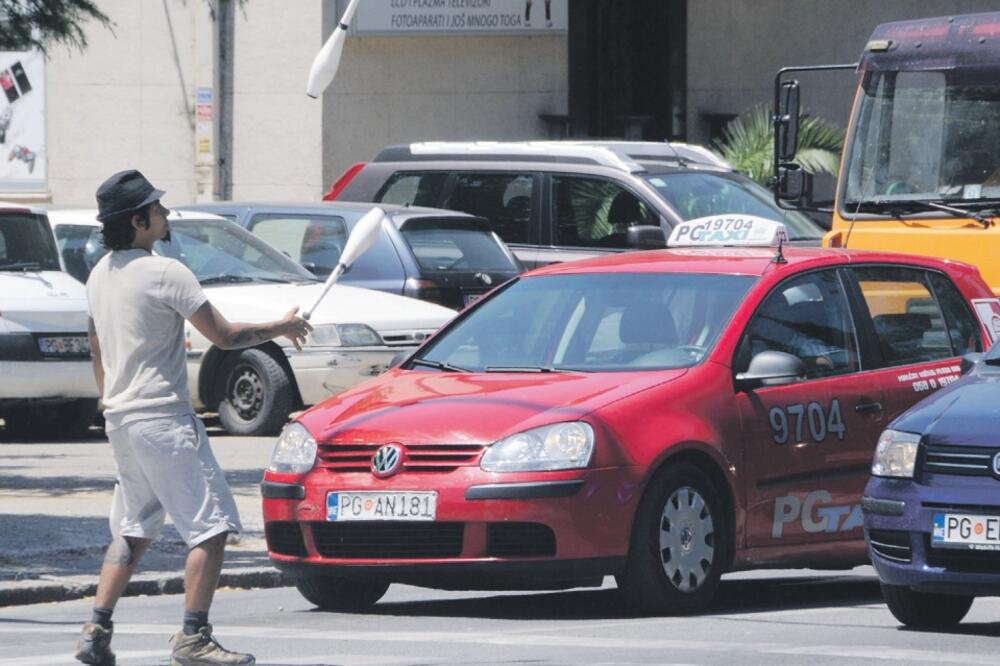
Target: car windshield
(456, 244)
(591, 323)
(221, 252)
(700, 194)
(26, 243)
(926, 135)
(81, 248)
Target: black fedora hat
(125, 192)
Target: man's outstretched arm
(234, 335)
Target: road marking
(560, 640)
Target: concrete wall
(277, 128)
(404, 89)
(735, 47)
(124, 102)
(128, 100)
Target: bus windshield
(925, 136)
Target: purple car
(932, 506)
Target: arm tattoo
(250, 336)
(119, 552)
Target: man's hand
(294, 328)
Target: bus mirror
(786, 121)
(794, 183)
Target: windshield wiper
(528, 368)
(896, 208)
(21, 266)
(238, 279)
(447, 367)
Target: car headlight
(896, 454)
(558, 446)
(343, 335)
(295, 452)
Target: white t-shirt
(139, 303)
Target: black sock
(102, 616)
(193, 621)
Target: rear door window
(593, 212)
(909, 324)
(413, 189)
(502, 198)
(315, 241)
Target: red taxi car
(663, 417)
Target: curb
(21, 593)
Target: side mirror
(786, 122)
(794, 183)
(645, 237)
(771, 368)
(969, 361)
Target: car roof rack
(622, 155)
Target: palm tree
(748, 144)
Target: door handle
(868, 407)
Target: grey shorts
(166, 466)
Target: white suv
(48, 386)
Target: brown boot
(95, 646)
(201, 649)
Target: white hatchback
(47, 386)
(357, 332)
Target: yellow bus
(920, 171)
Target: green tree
(748, 144)
(36, 24)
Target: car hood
(42, 301)
(453, 408)
(964, 414)
(342, 305)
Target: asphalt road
(780, 618)
(53, 502)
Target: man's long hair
(117, 232)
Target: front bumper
(899, 521)
(49, 379)
(541, 526)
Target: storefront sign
(460, 17)
(204, 126)
(22, 122)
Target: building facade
(207, 97)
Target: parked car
(662, 416)
(47, 385)
(356, 332)
(563, 200)
(440, 256)
(932, 511)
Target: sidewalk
(54, 499)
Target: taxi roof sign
(729, 231)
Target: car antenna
(780, 257)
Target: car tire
(257, 394)
(70, 420)
(341, 594)
(925, 610)
(680, 544)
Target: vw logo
(387, 461)
(996, 464)
(484, 278)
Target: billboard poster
(22, 121)
(460, 17)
